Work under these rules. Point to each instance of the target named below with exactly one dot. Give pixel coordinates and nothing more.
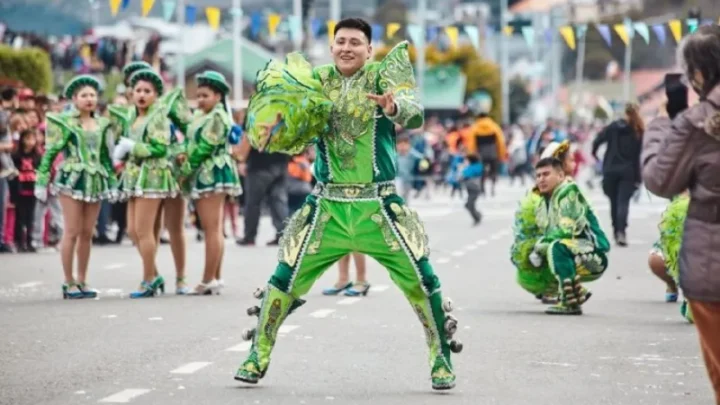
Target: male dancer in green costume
(354, 207)
(573, 243)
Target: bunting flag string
(147, 5)
(168, 9)
(473, 34)
(568, 34)
(452, 33)
(294, 24)
(213, 17)
(676, 29)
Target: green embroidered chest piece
(353, 113)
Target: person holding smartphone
(684, 154)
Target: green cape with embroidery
(86, 172)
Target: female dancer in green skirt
(84, 178)
(209, 171)
(147, 178)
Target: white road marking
(108, 316)
(548, 363)
(287, 328)
(155, 318)
(443, 260)
(348, 301)
(496, 236)
(191, 367)
(481, 242)
(458, 253)
(380, 288)
(242, 347)
(322, 313)
(123, 397)
(30, 284)
(470, 247)
(114, 266)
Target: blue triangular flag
(659, 30)
(377, 32)
(604, 31)
(190, 14)
(315, 27)
(256, 20)
(433, 33)
(124, 4)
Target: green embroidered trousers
(332, 224)
(568, 260)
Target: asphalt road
(629, 348)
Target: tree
(31, 66)
(481, 74)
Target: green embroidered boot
(571, 297)
(439, 326)
(275, 307)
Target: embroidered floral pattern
(387, 233)
(293, 238)
(314, 245)
(396, 75)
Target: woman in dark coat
(684, 154)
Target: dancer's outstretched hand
(385, 101)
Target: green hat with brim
(213, 80)
(79, 82)
(148, 75)
(133, 67)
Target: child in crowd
(22, 191)
(471, 177)
(407, 160)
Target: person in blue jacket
(471, 177)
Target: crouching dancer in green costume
(573, 244)
(351, 108)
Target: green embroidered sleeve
(212, 136)
(178, 109)
(55, 141)
(157, 139)
(105, 158)
(119, 120)
(396, 75)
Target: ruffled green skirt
(149, 178)
(671, 234)
(83, 182)
(217, 174)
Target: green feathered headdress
(148, 75)
(214, 80)
(79, 82)
(133, 67)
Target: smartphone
(677, 94)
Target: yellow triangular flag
(392, 29)
(676, 29)
(452, 33)
(331, 29)
(213, 17)
(147, 5)
(621, 30)
(568, 34)
(114, 6)
(508, 30)
(273, 22)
